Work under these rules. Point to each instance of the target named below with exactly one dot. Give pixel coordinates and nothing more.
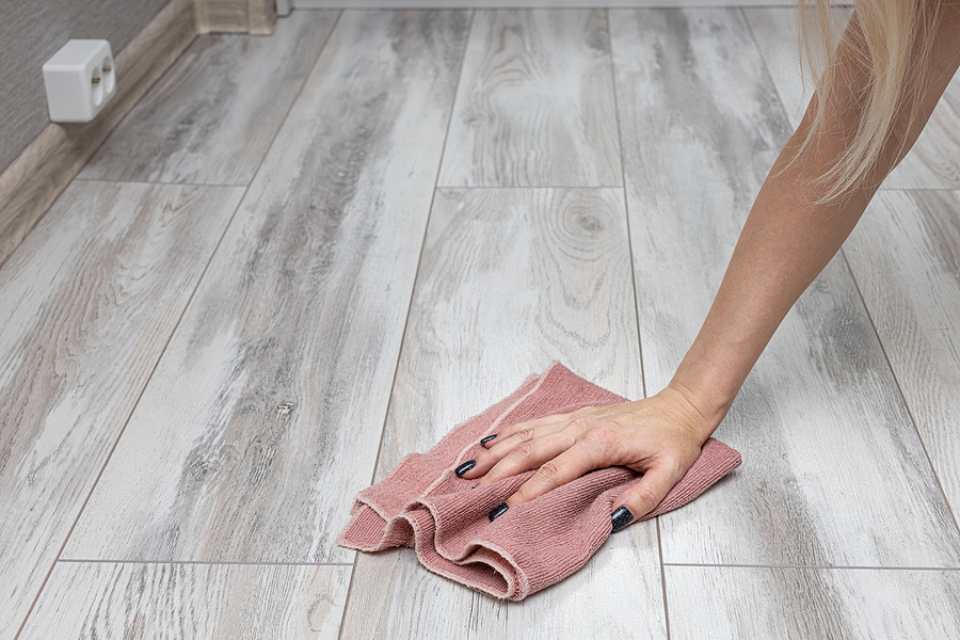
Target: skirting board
(34, 180)
(566, 4)
(236, 16)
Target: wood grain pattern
(86, 305)
(535, 105)
(905, 255)
(264, 416)
(232, 602)
(509, 281)
(852, 604)
(34, 180)
(833, 472)
(213, 115)
(934, 160)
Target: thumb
(642, 496)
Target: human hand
(659, 436)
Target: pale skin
(787, 240)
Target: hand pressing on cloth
(463, 529)
(660, 437)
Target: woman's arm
(787, 239)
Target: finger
(643, 496)
(576, 422)
(486, 458)
(505, 432)
(530, 456)
(566, 467)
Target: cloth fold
(423, 505)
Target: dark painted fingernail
(621, 518)
(498, 511)
(486, 439)
(464, 467)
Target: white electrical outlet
(80, 78)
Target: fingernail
(498, 511)
(486, 439)
(621, 518)
(464, 467)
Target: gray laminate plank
(264, 416)
(934, 160)
(212, 116)
(852, 604)
(232, 602)
(86, 305)
(535, 105)
(833, 471)
(905, 255)
(509, 281)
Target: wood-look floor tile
(87, 303)
(228, 602)
(905, 255)
(211, 117)
(847, 604)
(535, 105)
(265, 413)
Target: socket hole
(96, 83)
(109, 77)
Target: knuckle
(582, 426)
(602, 438)
(549, 470)
(524, 435)
(523, 494)
(645, 497)
(511, 429)
(523, 452)
(670, 460)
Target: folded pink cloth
(532, 546)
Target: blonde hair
(888, 44)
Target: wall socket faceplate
(80, 78)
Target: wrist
(709, 398)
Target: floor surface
(301, 257)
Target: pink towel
(532, 546)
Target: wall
(30, 32)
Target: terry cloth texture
(422, 504)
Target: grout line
(584, 5)
(161, 183)
(450, 187)
(663, 578)
(633, 284)
(626, 206)
(413, 290)
(173, 332)
(955, 189)
(903, 397)
(769, 77)
(206, 562)
(811, 567)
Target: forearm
(788, 238)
